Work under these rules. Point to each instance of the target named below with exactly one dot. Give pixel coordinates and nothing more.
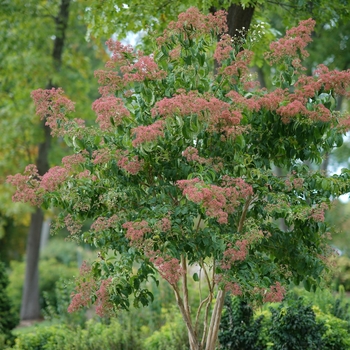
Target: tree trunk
(215, 321)
(239, 19)
(30, 307)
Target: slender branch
(244, 214)
(206, 315)
(184, 286)
(180, 303)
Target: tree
(177, 177)
(49, 43)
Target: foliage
(50, 272)
(238, 329)
(61, 337)
(342, 272)
(336, 335)
(152, 17)
(178, 173)
(294, 327)
(172, 335)
(8, 318)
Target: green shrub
(342, 273)
(50, 271)
(294, 327)
(95, 336)
(171, 336)
(336, 335)
(8, 318)
(238, 329)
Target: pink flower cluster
(121, 54)
(72, 225)
(164, 224)
(233, 254)
(317, 213)
(275, 294)
(193, 23)
(135, 230)
(293, 43)
(292, 109)
(191, 154)
(168, 267)
(217, 201)
(84, 290)
(223, 48)
(148, 133)
(102, 223)
(108, 109)
(103, 305)
(131, 165)
(53, 106)
(101, 156)
(337, 81)
(70, 161)
(234, 288)
(241, 102)
(238, 70)
(27, 186)
(53, 178)
(220, 115)
(132, 65)
(144, 68)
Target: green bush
(50, 271)
(8, 318)
(171, 336)
(238, 329)
(95, 336)
(294, 327)
(342, 273)
(336, 335)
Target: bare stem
(191, 333)
(244, 213)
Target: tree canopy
(177, 175)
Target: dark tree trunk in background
(239, 19)
(30, 307)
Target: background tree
(43, 46)
(177, 178)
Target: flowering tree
(177, 176)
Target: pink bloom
(169, 268)
(231, 255)
(293, 43)
(233, 288)
(53, 178)
(165, 224)
(70, 161)
(121, 54)
(144, 68)
(109, 109)
(275, 294)
(103, 304)
(131, 165)
(136, 230)
(27, 186)
(84, 290)
(101, 156)
(72, 225)
(53, 106)
(193, 23)
(148, 133)
(102, 223)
